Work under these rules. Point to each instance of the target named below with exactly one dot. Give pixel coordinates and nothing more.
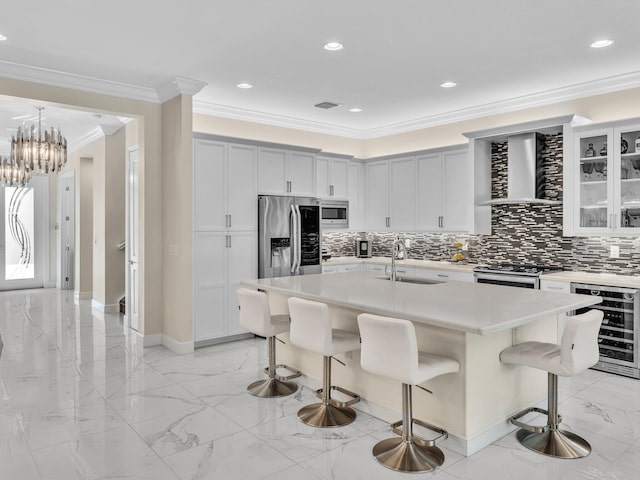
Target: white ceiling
(504, 54)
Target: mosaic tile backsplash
(529, 234)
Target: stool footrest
(355, 398)
(423, 442)
(532, 428)
(284, 378)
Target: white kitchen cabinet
(225, 186)
(225, 190)
(402, 194)
(443, 275)
(286, 172)
(332, 177)
(221, 261)
(606, 176)
(443, 192)
(345, 267)
(390, 199)
(375, 267)
(555, 286)
(377, 196)
(429, 192)
(356, 196)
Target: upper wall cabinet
(332, 177)
(606, 175)
(444, 191)
(286, 172)
(429, 192)
(225, 186)
(377, 196)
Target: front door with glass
(22, 235)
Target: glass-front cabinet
(607, 197)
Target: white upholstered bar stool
(578, 350)
(311, 329)
(390, 349)
(256, 317)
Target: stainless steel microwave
(335, 214)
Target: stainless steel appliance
(512, 275)
(288, 236)
(335, 213)
(618, 337)
(363, 248)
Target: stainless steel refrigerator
(288, 236)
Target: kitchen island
(467, 321)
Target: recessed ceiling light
(244, 85)
(333, 46)
(448, 84)
(2, 37)
(601, 43)
(355, 110)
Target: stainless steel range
(512, 275)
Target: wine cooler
(618, 337)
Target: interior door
(132, 242)
(22, 235)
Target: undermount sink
(420, 281)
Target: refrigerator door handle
(294, 239)
(299, 239)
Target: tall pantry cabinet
(225, 238)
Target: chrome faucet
(398, 246)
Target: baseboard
(149, 340)
(180, 348)
(102, 308)
(217, 341)
(53, 284)
(77, 296)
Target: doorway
(132, 279)
(24, 234)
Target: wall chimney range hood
(525, 172)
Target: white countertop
(630, 281)
(433, 264)
(469, 307)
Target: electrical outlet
(614, 251)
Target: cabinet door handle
(611, 220)
(229, 240)
(331, 190)
(440, 221)
(388, 221)
(288, 186)
(441, 275)
(229, 220)
(554, 288)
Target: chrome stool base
(403, 456)
(272, 388)
(555, 443)
(323, 415)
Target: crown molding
(56, 78)
(179, 86)
(225, 111)
(85, 139)
(572, 92)
(185, 86)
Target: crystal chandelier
(12, 175)
(37, 150)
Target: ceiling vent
(326, 105)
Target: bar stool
(256, 317)
(578, 350)
(311, 330)
(390, 349)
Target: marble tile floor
(80, 400)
